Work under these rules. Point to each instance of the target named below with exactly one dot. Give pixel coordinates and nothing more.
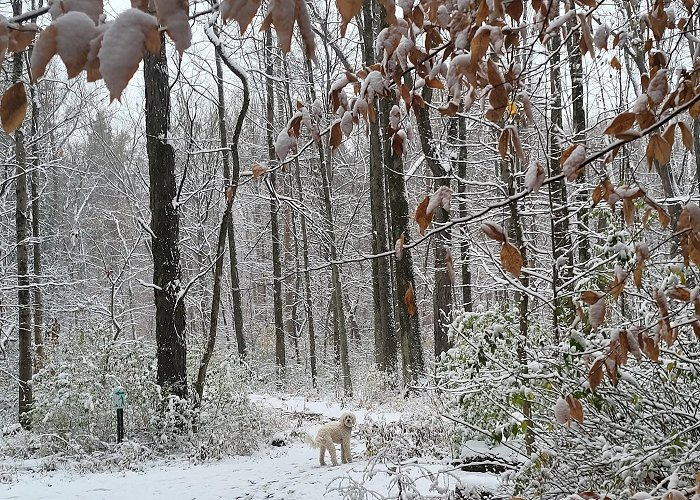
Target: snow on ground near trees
(288, 472)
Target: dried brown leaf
(423, 218)
(13, 107)
(511, 260)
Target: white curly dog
(334, 432)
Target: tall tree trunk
(231, 181)
(165, 225)
(23, 283)
(442, 294)
(467, 300)
(280, 357)
(233, 259)
(337, 295)
(578, 115)
(385, 349)
(561, 254)
(411, 346)
(38, 303)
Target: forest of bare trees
(491, 201)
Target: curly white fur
(334, 432)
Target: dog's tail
(309, 440)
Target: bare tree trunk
(170, 307)
(561, 252)
(442, 294)
(23, 282)
(231, 180)
(411, 346)
(385, 349)
(280, 357)
(337, 295)
(233, 259)
(462, 188)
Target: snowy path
(290, 473)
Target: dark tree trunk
(23, 284)
(385, 349)
(467, 300)
(411, 346)
(442, 293)
(233, 259)
(280, 356)
(170, 307)
(561, 254)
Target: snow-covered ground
(287, 472)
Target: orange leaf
(687, 136)
(423, 218)
(590, 297)
(13, 107)
(258, 169)
(336, 135)
(511, 260)
(347, 10)
(595, 374)
(410, 301)
(620, 123)
(575, 408)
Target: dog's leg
(322, 454)
(345, 451)
(334, 457)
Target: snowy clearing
(287, 472)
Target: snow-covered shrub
(73, 391)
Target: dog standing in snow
(334, 432)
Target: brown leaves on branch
(242, 11)
(410, 301)
(511, 258)
(13, 107)
(347, 10)
(567, 409)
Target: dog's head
(347, 419)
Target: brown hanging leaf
(534, 177)
(347, 10)
(687, 136)
(174, 16)
(336, 135)
(423, 218)
(511, 260)
(590, 297)
(494, 231)
(20, 36)
(621, 123)
(480, 43)
(658, 149)
(258, 169)
(562, 413)
(650, 348)
(611, 369)
(503, 141)
(410, 301)
(13, 107)
(595, 374)
(571, 160)
(615, 63)
(242, 11)
(575, 408)
(618, 284)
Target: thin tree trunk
(165, 226)
(36, 236)
(231, 180)
(467, 300)
(233, 259)
(337, 295)
(561, 255)
(385, 349)
(442, 293)
(280, 357)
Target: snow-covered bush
(638, 430)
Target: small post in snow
(119, 400)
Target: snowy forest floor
(290, 471)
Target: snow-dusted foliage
(637, 429)
(74, 413)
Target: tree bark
(467, 300)
(25, 369)
(280, 356)
(233, 259)
(411, 346)
(170, 307)
(442, 293)
(385, 349)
